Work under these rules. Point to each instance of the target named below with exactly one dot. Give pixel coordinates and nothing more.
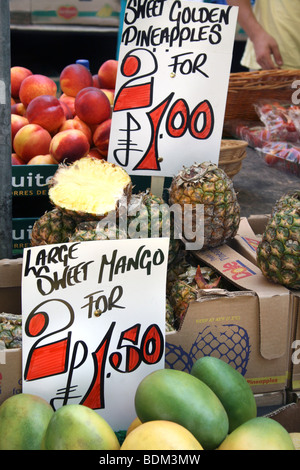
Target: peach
(76, 123)
(47, 111)
(73, 78)
(96, 82)
(17, 75)
(110, 95)
(107, 74)
(67, 110)
(16, 160)
(92, 106)
(101, 136)
(35, 85)
(18, 108)
(17, 122)
(96, 153)
(69, 101)
(42, 160)
(69, 145)
(31, 140)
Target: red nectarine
(76, 123)
(47, 111)
(42, 160)
(92, 106)
(31, 140)
(101, 136)
(73, 78)
(69, 145)
(17, 75)
(35, 85)
(107, 74)
(17, 122)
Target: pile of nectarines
(50, 126)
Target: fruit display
(275, 136)
(210, 409)
(10, 331)
(61, 122)
(206, 184)
(278, 253)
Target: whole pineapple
(10, 331)
(278, 253)
(206, 184)
(52, 227)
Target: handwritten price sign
(171, 90)
(93, 322)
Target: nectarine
(101, 136)
(42, 160)
(92, 106)
(31, 140)
(16, 160)
(107, 74)
(76, 123)
(17, 122)
(47, 111)
(35, 85)
(69, 101)
(17, 75)
(73, 78)
(69, 145)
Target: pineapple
(93, 230)
(52, 227)
(188, 288)
(278, 253)
(89, 188)
(206, 184)
(149, 216)
(10, 331)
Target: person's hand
(267, 51)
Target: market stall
(149, 271)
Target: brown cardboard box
(249, 235)
(10, 302)
(248, 327)
(245, 242)
(76, 12)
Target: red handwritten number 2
(199, 122)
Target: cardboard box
(10, 302)
(249, 235)
(79, 12)
(20, 11)
(31, 180)
(248, 327)
(294, 383)
(245, 242)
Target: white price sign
(171, 90)
(93, 322)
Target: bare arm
(265, 46)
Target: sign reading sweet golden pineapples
(171, 90)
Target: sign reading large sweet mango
(93, 319)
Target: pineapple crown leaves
(195, 172)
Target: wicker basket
(232, 154)
(247, 88)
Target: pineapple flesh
(206, 184)
(89, 188)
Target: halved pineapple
(90, 188)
